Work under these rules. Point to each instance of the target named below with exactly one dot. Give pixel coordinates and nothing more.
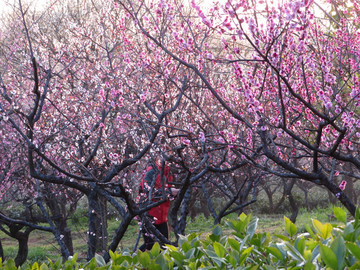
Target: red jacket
(159, 212)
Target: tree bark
(1, 251)
(341, 197)
(101, 228)
(334, 189)
(97, 224)
(293, 204)
(58, 212)
(120, 231)
(22, 238)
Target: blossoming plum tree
(90, 93)
(289, 81)
(77, 113)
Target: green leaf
(275, 252)
(357, 217)
(242, 216)
(112, 255)
(178, 256)
(329, 257)
(144, 259)
(219, 261)
(340, 214)
(164, 262)
(190, 253)
(232, 260)
(219, 249)
(91, 265)
(290, 227)
(244, 254)
(235, 255)
(251, 228)
(155, 250)
(324, 230)
(54, 265)
(300, 245)
(185, 246)
(357, 234)
(10, 265)
(243, 222)
(35, 266)
(234, 244)
(217, 230)
(74, 258)
(295, 254)
(310, 231)
(182, 239)
(339, 248)
(44, 267)
(282, 237)
(100, 260)
(349, 232)
(309, 266)
(153, 266)
(354, 249)
(235, 225)
(356, 266)
(216, 234)
(171, 247)
(315, 253)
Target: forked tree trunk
(269, 194)
(22, 238)
(58, 212)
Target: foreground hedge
(323, 246)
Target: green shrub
(322, 246)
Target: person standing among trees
(152, 188)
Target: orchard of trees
(233, 96)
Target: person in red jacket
(152, 188)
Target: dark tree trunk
(22, 238)
(120, 231)
(97, 240)
(101, 228)
(58, 212)
(178, 204)
(283, 197)
(306, 195)
(92, 225)
(204, 207)
(23, 250)
(66, 232)
(294, 208)
(305, 187)
(269, 194)
(293, 204)
(210, 206)
(181, 224)
(341, 196)
(350, 190)
(1, 251)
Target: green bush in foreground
(323, 246)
